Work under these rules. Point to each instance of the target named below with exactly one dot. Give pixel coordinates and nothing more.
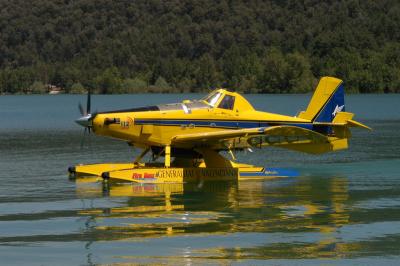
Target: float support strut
(167, 156)
(140, 157)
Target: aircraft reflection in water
(304, 208)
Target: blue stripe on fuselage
(201, 123)
(221, 123)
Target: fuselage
(157, 125)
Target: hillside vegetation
(180, 45)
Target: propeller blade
(88, 102)
(81, 110)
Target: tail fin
(327, 101)
(327, 108)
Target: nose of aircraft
(84, 121)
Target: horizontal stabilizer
(358, 124)
(343, 119)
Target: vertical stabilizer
(327, 101)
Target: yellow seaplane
(192, 135)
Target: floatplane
(191, 136)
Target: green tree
(206, 73)
(298, 73)
(162, 84)
(109, 81)
(273, 77)
(77, 88)
(133, 85)
(38, 87)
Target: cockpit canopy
(212, 98)
(224, 99)
(219, 98)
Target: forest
(251, 46)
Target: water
(343, 209)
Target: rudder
(326, 102)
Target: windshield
(213, 98)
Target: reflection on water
(245, 222)
(310, 211)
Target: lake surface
(344, 208)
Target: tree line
(270, 46)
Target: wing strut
(232, 155)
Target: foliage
(38, 87)
(109, 81)
(134, 85)
(185, 45)
(77, 88)
(161, 83)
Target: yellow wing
(298, 139)
(290, 137)
(287, 135)
(217, 135)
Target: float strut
(140, 157)
(232, 155)
(167, 156)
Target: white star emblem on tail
(337, 109)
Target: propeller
(86, 117)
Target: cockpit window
(227, 102)
(213, 98)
